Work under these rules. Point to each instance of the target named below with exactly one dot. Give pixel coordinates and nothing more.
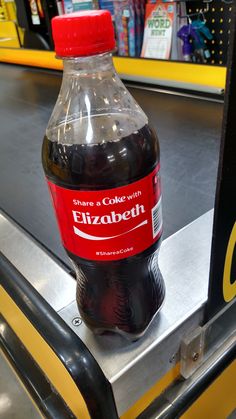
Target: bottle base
(130, 337)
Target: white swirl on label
(90, 237)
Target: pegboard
(3, 11)
(218, 20)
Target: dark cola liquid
(122, 295)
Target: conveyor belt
(188, 128)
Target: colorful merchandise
(125, 27)
(158, 30)
(179, 20)
(34, 12)
(70, 6)
(187, 34)
(60, 7)
(67, 6)
(139, 7)
(129, 24)
(83, 5)
(201, 52)
(193, 36)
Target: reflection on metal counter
(131, 369)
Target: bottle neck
(88, 66)
(93, 104)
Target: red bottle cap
(83, 33)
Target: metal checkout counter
(185, 364)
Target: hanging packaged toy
(187, 34)
(67, 6)
(201, 51)
(157, 40)
(107, 5)
(125, 27)
(139, 7)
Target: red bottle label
(110, 224)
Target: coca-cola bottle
(101, 160)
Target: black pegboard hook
(207, 7)
(201, 12)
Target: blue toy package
(202, 53)
(107, 5)
(67, 6)
(187, 34)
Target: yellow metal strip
(8, 35)
(44, 59)
(219, 400)
(56, 372)
(11, 10)
(152, 394)
(44, 356)
(204, 75)
(176, 72)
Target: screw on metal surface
(195, 356)
(172, 358)
(76, 321)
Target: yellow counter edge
(217, 401)
(54, 369)
(43, 355)
(178, 72)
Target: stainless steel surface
(43, 272)
(191, 352)
(132, 368)
(196, 95)
(173, 84)
(15, 403)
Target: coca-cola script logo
(109, 224)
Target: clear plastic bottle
(101, 160)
